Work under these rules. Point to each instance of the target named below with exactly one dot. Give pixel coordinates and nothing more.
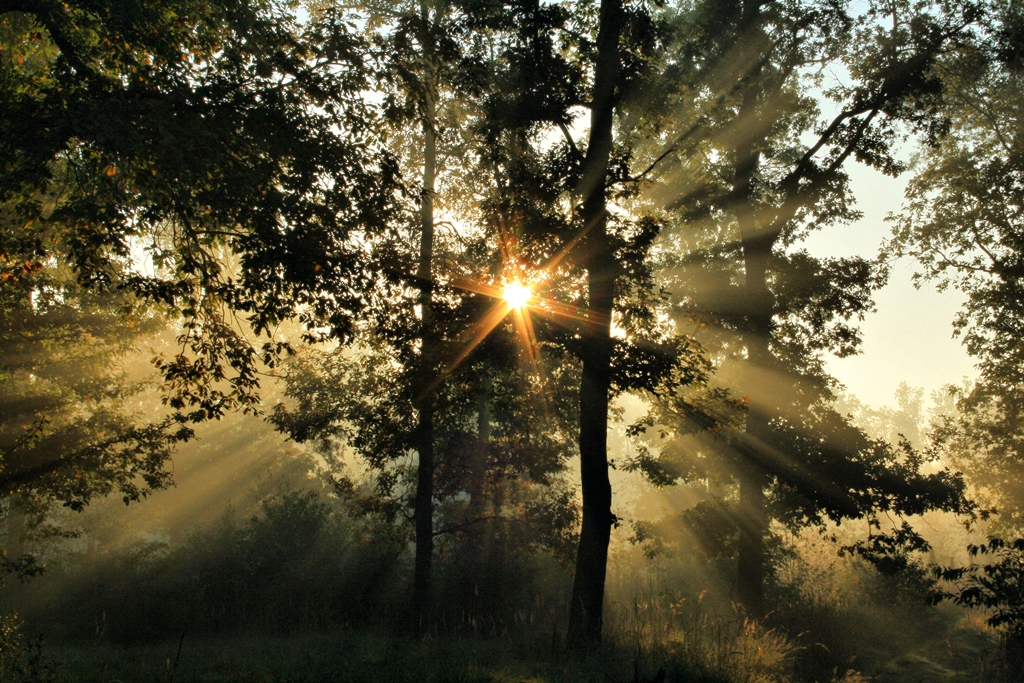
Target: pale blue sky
(910, 337)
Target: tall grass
(686, 634)
(302, 589)
(355, 657)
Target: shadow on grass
(358, 657)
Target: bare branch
(572, 143)
(465, 525)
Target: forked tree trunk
(586, 607)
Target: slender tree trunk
(751, 562)
(586, 607)
(753, 477)
(424, 503)
(477, 538)
(477, 473)
(757, 247)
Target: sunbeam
(516, 294)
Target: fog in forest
(596, 340)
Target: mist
(606, 340)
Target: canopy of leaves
(964, 224)
(743, 157)
(215, 158)
(73, 423)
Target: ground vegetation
(521, 287)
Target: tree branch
(46, 17)
(465, 525)
(572, 143)
(670, 149)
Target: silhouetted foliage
(339, 196)
(222, 143)
(747, 170)
(295, 566)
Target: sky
(910, 336)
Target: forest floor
(351, 657)
(366, 656)
(961, 651)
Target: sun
(516, 294)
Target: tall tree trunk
(586, 607)
(753, 477)
(424, 503)
(751, 565)
(474, 552)
(757, 247)
(477, 470)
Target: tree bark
(753, 476)
(757, 248)
(477, 470)
(586, 607)
(424, 501)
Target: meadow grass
(352, 657)
(646, 638)
(690, 642)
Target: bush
(297, 566)
(21, 658)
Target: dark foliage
(295, 566)
(222, 143)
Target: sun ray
(524, 329)
(516, 294)
(519, 299)
(476, 286)
(571, 244)
(479, 332)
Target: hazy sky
(910, 337)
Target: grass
(345, 658)
(643, 638)
(693, 644)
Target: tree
(73, 425)
(963, 222)
(597, 258)
(222, 143)
(998, 587)
(588, 264)
(735, 163)
(210, 162)
(417, 63)
(444, 290)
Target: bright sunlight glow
(516, 294)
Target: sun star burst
(516, 294)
